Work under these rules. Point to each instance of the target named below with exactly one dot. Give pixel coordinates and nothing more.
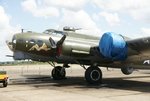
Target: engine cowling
(113, 46)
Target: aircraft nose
(11, 43)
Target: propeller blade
(52, 42)
(59, 43)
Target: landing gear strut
(93, 75)
(58, 73)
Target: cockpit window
(58, 33)
(49, 31)
(55, 32)
(40, 42)
(46, 32)
(32, 41)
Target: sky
(130, 18)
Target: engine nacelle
(113, 46)
(127, 70)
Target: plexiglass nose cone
(11, 43)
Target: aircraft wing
(117, 48)
(138, 46)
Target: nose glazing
(11, 43)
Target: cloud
(38, 9)
(122, 5)
(80, 19)
(108, 4)
(112, 19)
(95, 17)
(137, 9)
(4, 19)
(6, 30)
(5, 27)
(51, 8)
(67, 4)
(70, 10)
(145, 31)
(141, 14)
(6, 33)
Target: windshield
(54, 32)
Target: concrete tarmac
(34, 83)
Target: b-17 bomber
(90, 52)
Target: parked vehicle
(4, 78)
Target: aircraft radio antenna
(22, 30)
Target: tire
(58, 73)
(127, 70)
(5, 83)
(93, 75)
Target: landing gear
(93, 75)
(127, 70)
(58, 73)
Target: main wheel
(58, 73)
(5, 83)
(127, 70)
(93, 75)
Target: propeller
(57, 46)
(59, 43)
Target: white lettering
(146, 62)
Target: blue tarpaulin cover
(113, 46)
